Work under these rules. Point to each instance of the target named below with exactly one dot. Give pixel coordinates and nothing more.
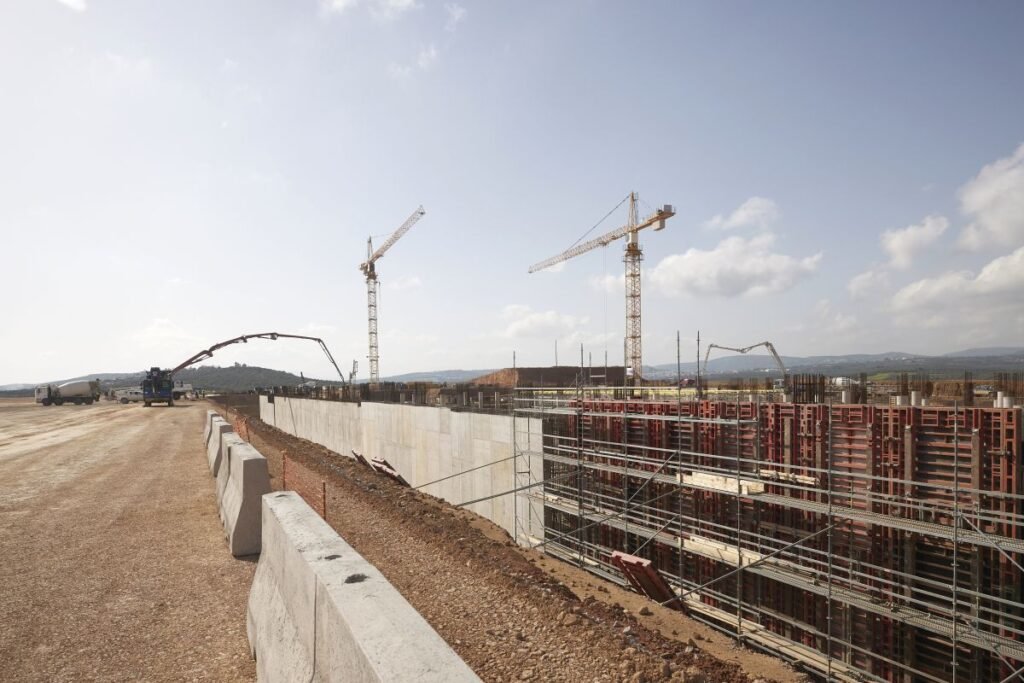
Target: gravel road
(112, 559)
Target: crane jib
(657, 218)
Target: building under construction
(861, 542)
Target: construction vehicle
(767, 344)
(632, 258)
(82, 391)
(369, 268)
(159, 385)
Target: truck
(128, 395)
(78, 392)
(181, 390)
(158, 387)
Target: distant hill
(439, 376)
(987, 351)
(986, 362)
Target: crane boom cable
(594, 227)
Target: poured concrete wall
(425, 444)
(318, 611)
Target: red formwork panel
(892, 462)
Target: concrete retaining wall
(318, 611)
(426, 444)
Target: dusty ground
(512, 614)
(113, 565)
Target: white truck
(128, 395)
(182, 390)
(78, 392)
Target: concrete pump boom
(767, 344)
(273, 336)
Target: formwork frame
(916, 578)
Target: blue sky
(848, 178)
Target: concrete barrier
(318, 611)
(223, 475)
(210, 414)
(241, 499)
(213, 455)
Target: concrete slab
(318, 611)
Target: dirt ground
(112, 559)
(512, 614)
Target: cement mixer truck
(78, 392)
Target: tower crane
(370, 271)
(632, 258)
(767, 344)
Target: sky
(847, 177)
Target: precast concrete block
(213, 454)
(248, 482)
(227, 440)
(210, 414)
(318, 611)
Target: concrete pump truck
(158, 386)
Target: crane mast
(369, 269)
(632, 258)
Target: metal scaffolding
(860, 542)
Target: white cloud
(77, 5)
(427, 57)
(379, 9)
(405, 282)
(608, 283)
(337, 6)
(523, 321)
(901, 245)
(735, 267)
(118, 70)
(456, 13)
(871, 280)
(994, 202)
(756, 212)
(831, 320)
(399, 71)
(999, 282)
(163, 335)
